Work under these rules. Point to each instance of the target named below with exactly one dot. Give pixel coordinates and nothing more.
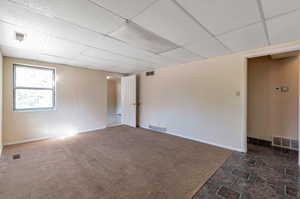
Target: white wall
(81, 104)
(200, 100)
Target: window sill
(34, 110)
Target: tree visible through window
(34, 88)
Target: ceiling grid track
(151, 4)
(202, 26)
(263, 20)
(78, 33)
(283, 14)
(110, 11)
(83, 28)
(239, 28)
(55, 17)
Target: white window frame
(53, 89)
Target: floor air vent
(284, 142)
(157, 128)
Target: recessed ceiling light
(135, 35)
(20, 36)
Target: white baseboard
(48, 137)
(200, 140)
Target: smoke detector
(20, 36)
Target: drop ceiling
(95, 33)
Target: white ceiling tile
(94, 63)
(220, 16)
(160, 60)
(119, 47)
(126, 9)
(209, 47)
(168, 21)
(32, 41)
(19, 53)
(54, 59)
(284, 28)
(68, 31)
(276, 7)
(102, 54)
(83, 60)
(62, 48)
(21, 16)
(80, 12)
(247, 38)
(135, 35)
(116, 58)
(181, 54)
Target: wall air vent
(284, 142)
(16, 156)
(150, 73)
(157, 128)
(276, 141)
(294, 145)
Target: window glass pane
(30, 99)
(33, 77)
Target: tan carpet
(115, 163)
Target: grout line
(262, 16)
(201, 25)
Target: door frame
(245, 92)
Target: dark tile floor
(262, 173)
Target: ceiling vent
(150, 73)
(136, 35)
(20, 36)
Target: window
(34, 88)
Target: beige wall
(112, 98)
(271, 112)
(1, 100)
(81, 97)
(196, 100)
(119, 102)
(204, 100)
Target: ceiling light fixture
(135, 35)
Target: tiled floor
(262, 173)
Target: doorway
(273, 101)
(114, 105)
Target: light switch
(284, 89)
